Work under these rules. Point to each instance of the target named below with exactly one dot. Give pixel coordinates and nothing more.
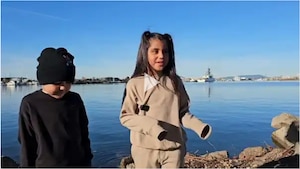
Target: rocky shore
(284, 155)
(252, 157)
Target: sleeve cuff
(204, 131)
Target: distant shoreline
(113, 83)
(21, 81)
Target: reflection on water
(209, 89)
(8, 90)
(239, 113)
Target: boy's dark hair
(55, 65)
(142, 65)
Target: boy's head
(55, 65)
(56, 71)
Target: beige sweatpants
(149, 158)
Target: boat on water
(11, 83)
(208, 77)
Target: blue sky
(232, 38)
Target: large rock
(216, 155)
(293, 132)
(284, 119)
(287, 133)
(7, 162)
(279, 139)
(293, 135)
(252, 152)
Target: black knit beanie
(55, 65)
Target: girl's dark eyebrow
(154, 49)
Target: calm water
(239, 112)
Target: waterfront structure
(208, 77)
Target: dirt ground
(268, 157)
(272, 158)
(252, 157)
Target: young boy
(53, 125)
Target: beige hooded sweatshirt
(165, 112)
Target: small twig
(288, 151)
(211, 145)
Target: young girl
(156, 106)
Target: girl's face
(57, 90)
(158, 56)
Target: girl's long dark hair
(142, 65)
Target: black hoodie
(54, 132)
